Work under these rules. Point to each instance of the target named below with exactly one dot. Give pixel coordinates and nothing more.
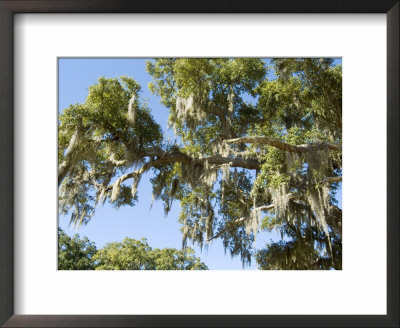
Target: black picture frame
(10, 7)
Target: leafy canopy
(75, 253)
(133, 254)
(81, 254)
(257, 148)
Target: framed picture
(45, 41)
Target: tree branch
(147, 166)
(284, 146)
(329, 180)
(246, 163)
(164, 157)
(117, 162)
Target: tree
(252, 153)
(133, 254)
(81, 254)
(75, 253)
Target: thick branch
(284, 146)
(246, 163)
(330, 180)
(183, 158)
(165, 157)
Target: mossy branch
(283, 145)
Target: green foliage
(228, 190)
(133, 254)
(209, 81)
(81, 254)
(75, 253)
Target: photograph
(230, 163)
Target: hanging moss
(115, 190)
(319, 201)
(253, 221)
(231, 95)
(132, 111)
(293, 159)
(226, 171)
(280, 199)
(190, 110)
(317, 159)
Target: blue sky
(75, 75)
